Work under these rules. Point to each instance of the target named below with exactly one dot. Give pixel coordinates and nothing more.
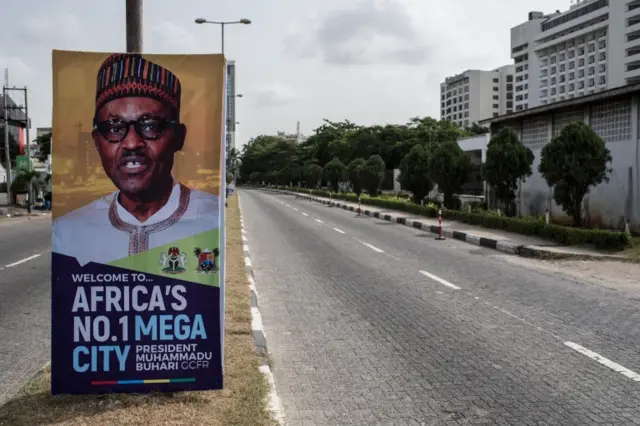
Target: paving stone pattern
(357, 338)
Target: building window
(496, 80)
(602, 68)
(496, 97)
(602, 44)
(496, 106)
(602, 79)
(496, 89)
(612, 120)
(603, 56)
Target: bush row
(533, 226)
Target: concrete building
(591, 47)
(231, 106)
(613, 114)
(475, 95)
(297, 137)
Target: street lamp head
(201, 21)
(245, 21)
(239, 95)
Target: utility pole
(134, 26)
(30, 184)
(7, 153)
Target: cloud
(18, 70)
(168, 37)
(274, 95)
(61, 27)
(374, 31)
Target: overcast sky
(368, 61)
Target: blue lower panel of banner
(117, 330)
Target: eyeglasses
(148, 128)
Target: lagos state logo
(173, 262)
(206, 260)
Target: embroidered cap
(129, 74)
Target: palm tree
(21, 183)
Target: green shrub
(528, 225)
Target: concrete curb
(257, 329)
(501, 246)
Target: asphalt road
(369, 322)
(25, 296)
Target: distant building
(614, 115)
(592, 47)
(297, 137)
(475, 95)
(231, 106)
(17, 125)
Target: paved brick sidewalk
(506, 242)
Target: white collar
(164, 213)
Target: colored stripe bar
(141, 381)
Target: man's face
(136, 165)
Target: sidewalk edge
(501, 246)
(257, 329)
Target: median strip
(243, 401)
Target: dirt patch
(621, 276)
(242, 402)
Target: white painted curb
(257, 329)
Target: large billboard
(138, 228)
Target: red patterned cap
(129, 74)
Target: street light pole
(222, 37)
(134, 26)
(222, 25)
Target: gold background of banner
(77, 174)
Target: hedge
(600, 238)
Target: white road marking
(287, 205)
(247, 261)
(295, 209)
(440, 280)
(374, 248)
(245, 247)
(339, 230)
(304, 214)
(244, 239)
(319, 221)
(19, 262)
(604, 361)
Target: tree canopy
(572, 163)
(281, 160)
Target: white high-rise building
(475, 95)
(593, 46)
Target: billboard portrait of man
(137, 132)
